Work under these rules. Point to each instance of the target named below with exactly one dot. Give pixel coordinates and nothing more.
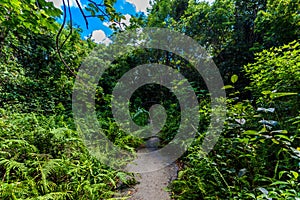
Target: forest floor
(152, 185)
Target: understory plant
(43, 157)
(258, 154)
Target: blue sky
(97, 29)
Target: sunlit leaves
(33, 171)
(234, 78)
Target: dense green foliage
(254, 43)
(257, 156)
(42, 156)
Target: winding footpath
(152, 185)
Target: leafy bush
(275, 78)
(258, 154)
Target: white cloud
(59, 3)
(125, 21)
(140, 5)
(99, 37)
(107, 24)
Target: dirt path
(152, 185)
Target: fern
(9, 165)
(43, 160)
(53, 196)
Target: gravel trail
(152, 185)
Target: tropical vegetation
(254, 43)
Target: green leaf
(278, 94)
(281, 173)
(283, 136)
(263, 130)
(227, 87)
(275, 141)
(280, 183)
(101, 17)
(180, 174)
(266, 92)
(251, 132)
(295, 174)
(234, 78)
(250, 195)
